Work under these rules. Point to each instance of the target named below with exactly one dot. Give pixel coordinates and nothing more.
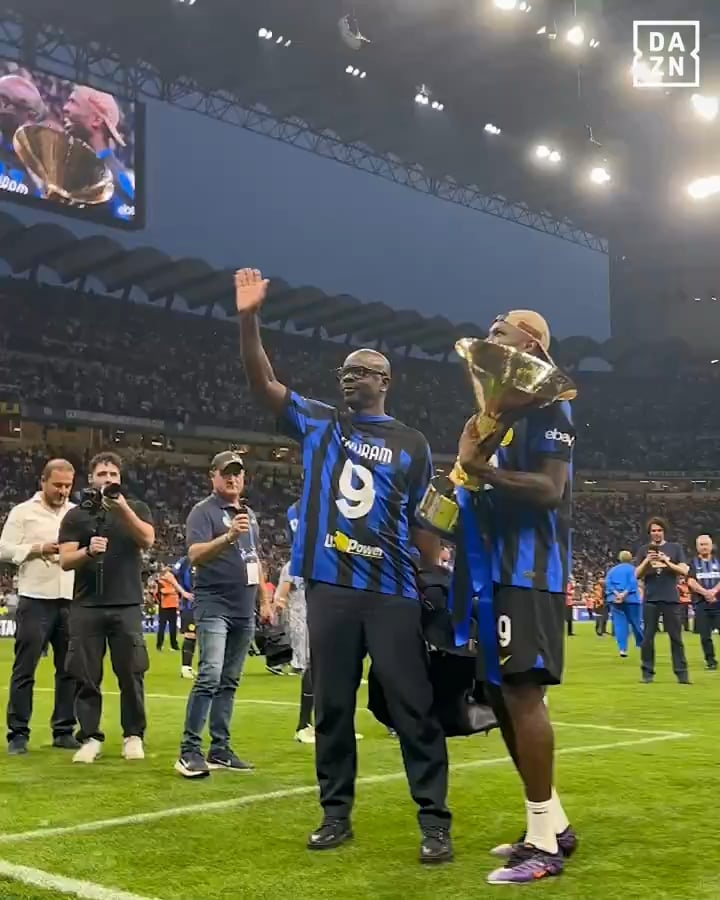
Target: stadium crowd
(81, 351)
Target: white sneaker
(133, 748)
(89, 751)
(186, 672)
(305, 735)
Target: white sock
(557, 813)
(541, 826)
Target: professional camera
(92, 498)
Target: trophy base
(438, 510)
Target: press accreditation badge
(253, 572)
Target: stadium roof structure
(483, 64)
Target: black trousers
(707, 617)
(569, 620)
(167, 617)
(601, 619)
(92, 631)
(39, 623)
(344, 626)
(672, 619)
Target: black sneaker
(648, 679)
(66, 742)
(192, 765)
(17, 745)
(435, 846)
(275, 670)
(684, 679)
(226, 759)
(330, 834)
(711, 666)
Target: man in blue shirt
(659, 564)
(223, 540)
(516, 507)
(364, 474)
(622, 598)
(704, 582)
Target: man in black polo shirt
(704, 582)
(103, 545)
(660, 564)
(223, 541)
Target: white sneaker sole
(188, 773)
(216, 767)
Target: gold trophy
(507, 383)
(66, 167)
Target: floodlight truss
(47, 47)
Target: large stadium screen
(70, 148)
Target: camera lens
(112, 491)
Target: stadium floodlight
(542, 151)
(280, 39)
(705, 107)
(492, 129)
(506, 5)
(288, 43)
(594, 43)
(702, 188)
(554, 156)
(575, 36)
(542, 30)
(599, 175)
(262, 33)
(645, 75)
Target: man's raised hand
(250, 290)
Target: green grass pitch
(637, 772)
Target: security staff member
(660, 564)
(704, 582)
(110, 539)
(29, 541)
(223, 539)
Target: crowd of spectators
(73, 351)
(604, 523)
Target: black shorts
(187, 621)
(530, 627)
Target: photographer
(223, 541)
(101, 540)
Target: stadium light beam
(705, 107)
(575, 36)
(599, 175)
(492, 129)
(702, 188)
(506, 5)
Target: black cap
(222, 461)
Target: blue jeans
(223, 645)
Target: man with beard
(20, 104)
(29, 541)
(364, 474)
(94, 117)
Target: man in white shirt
(29, 540)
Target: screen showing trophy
(70, 147)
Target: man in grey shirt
(223, 538)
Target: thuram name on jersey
(369, 451)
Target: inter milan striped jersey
(531, 546)
(364, 476)
(292, 520)
(706, 572)
(182, 570)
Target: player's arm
(250, 292)
(543, 487)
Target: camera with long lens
(91, 499)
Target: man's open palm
(250, 290)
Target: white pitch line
(289, 704)
(49, 882)
(236, 802)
